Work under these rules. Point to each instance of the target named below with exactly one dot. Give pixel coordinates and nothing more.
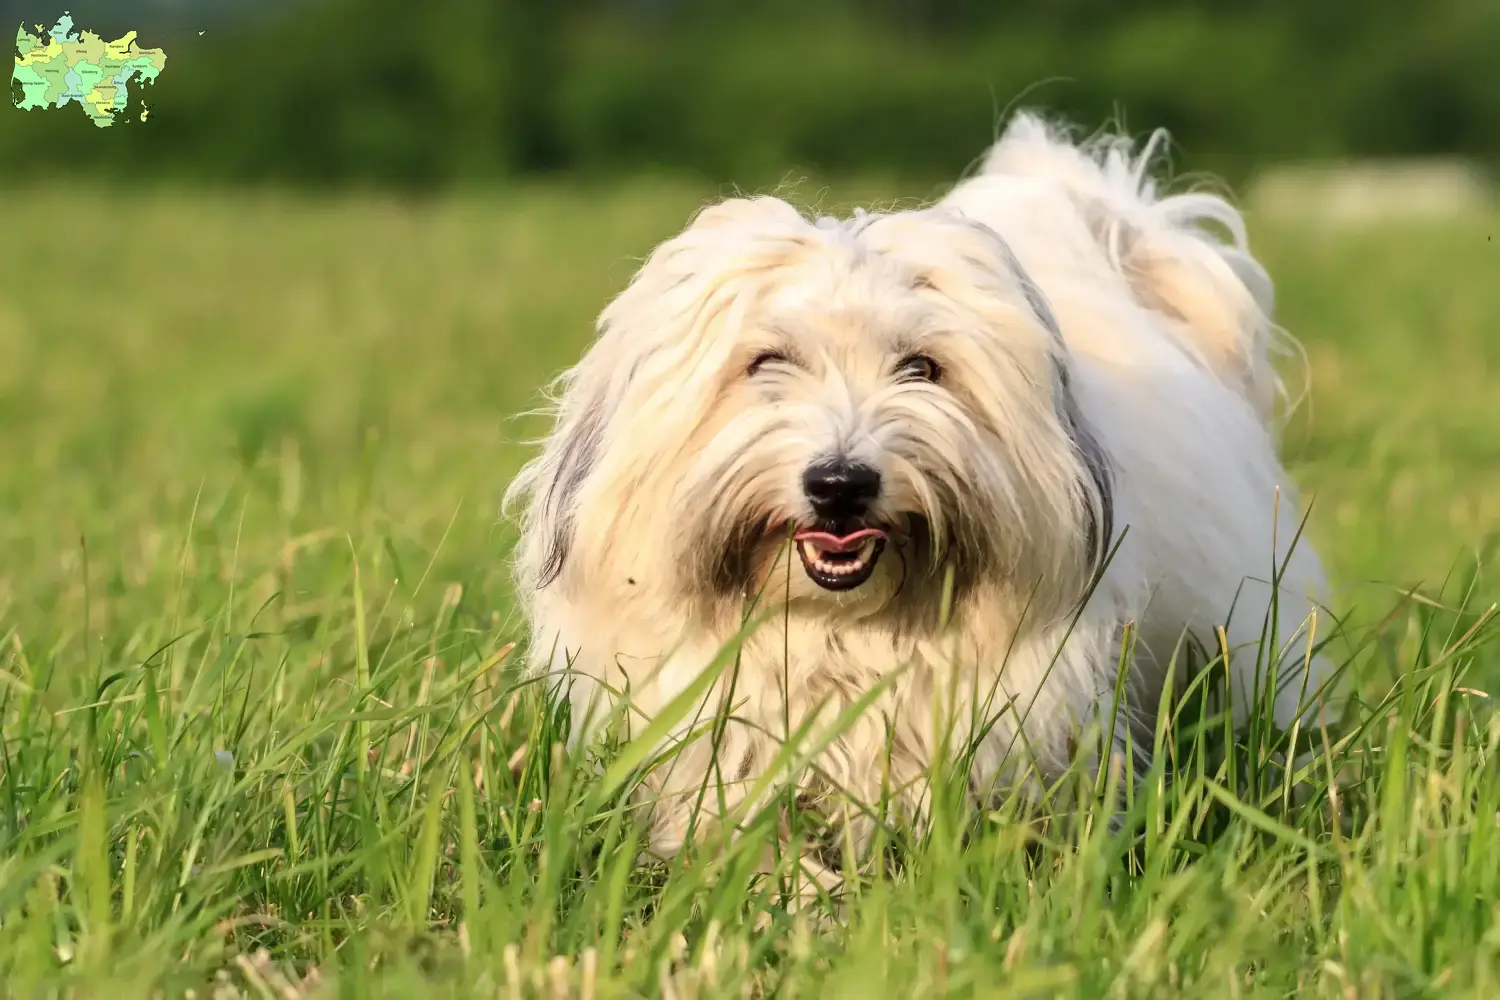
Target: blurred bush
(420, 94)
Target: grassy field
(259, 734)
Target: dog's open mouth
(840, 562)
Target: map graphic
(82, 68)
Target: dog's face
(852, 416)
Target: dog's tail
(1208, 286)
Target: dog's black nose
(839, 490)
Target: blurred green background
(350, 221)
(419, 94)
(357, 220)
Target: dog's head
(843, 413)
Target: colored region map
(82, 68)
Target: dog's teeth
(839, 564)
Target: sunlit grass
(255, 687)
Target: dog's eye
(766, 358)
(919, 368)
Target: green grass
(254, 611)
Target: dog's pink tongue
(833, 543)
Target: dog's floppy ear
(577, 450)
(1098, 480)
(550, 483)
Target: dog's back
(1098, 201)
(1170, 336)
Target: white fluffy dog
(915, 440)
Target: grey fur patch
(579, 452)
(1091, 453)
(1095, 461)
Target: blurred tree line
(418, 94)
